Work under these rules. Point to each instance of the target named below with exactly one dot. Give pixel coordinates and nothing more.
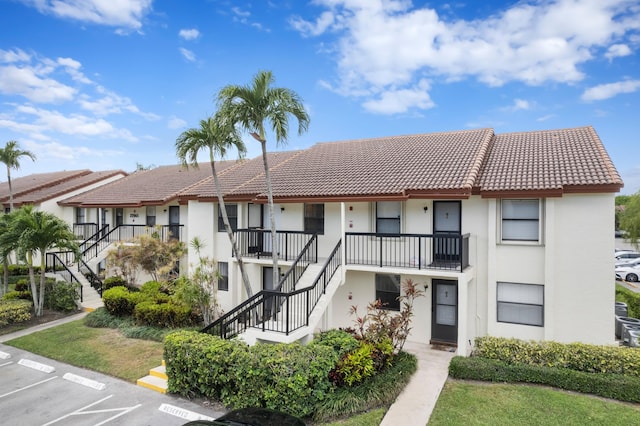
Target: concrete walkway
(416, 402)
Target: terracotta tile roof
(549, 161)
(441, 164)
(63, 187)
(25, 184)
(239, 175)
(157, 186)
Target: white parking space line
(37, 365)
(81, 411)
(29, 386)
(6, 363)
(4, 355)
(182, 413)
(84, 381)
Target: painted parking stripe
(84, 381)
(83, 411)
(4, 355)
(37, 366)
(29, 387)
(182, 413)
(6, 363)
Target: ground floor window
(521, 303)
(388, 291)
(223, 279)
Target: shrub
(574, 356)
(113, 282)
(17, 295)
(162, 314)
(154, 287)
(101, 318)
(18, 270)
(120, 301)
(290, 378)
(62, 296)
(616, 386)
(631, 298)
(12, 311)
(341, 341)
(22, 285)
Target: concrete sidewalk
(416, 402)
(16, 334)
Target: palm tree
(7, 246)
(254, 106)
(37, 232)
(10, 156)
(217, 135)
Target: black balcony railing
(257, 243)
(413, 251)
(84, 231)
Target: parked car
(627, 262)
(626, 254)
(251, 417)
(628, 273)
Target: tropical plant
(216, 134)
(37, 232)
(10, 156)
(253, 107)
(7, 246)
(199, 289)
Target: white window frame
(514, 301)
(511, 219)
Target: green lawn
(473, 403)
(100, 349)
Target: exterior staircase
(156, 379)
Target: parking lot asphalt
(35, 390)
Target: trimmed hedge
(119, 301)
(631, 298)
(290, 378)
(615, 386)
(17, 295)
(12, 311)
(573, 356)
(169, 315)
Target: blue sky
(105, 84)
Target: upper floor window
(232, 215)
(151, 215)
(80, 215)
(388, 217)
(314, 218)
(388, 291)
(223, 278)
(520, 303)
(520, 220)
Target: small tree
(630, 218)
(379, 323)
(200, 288)
(146, 253)
(10, 155)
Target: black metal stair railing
(58, 263)
(91, 276)
(262, 309)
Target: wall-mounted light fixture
(165, 210)
(281, 209)
(426, 286)
(425, 208)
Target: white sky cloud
(617, 50)
(187, 54)
(189, 34)
(116, 13)
(33, 84)
(392, 45)
(176, 123)
(609, 90)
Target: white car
(627, 262)
(628, 273)
(626, 254)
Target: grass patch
(101, 318)
(370, 418)
(473, 403)
(100, 349)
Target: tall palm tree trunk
(272, 216)
(10, 189)
(227, 227)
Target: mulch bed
(48, 315)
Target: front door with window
(174, 221)
(446, 225)
(444, 312)
(255, 222)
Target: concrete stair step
(156, 380)
(160, 372)
(154, 383)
